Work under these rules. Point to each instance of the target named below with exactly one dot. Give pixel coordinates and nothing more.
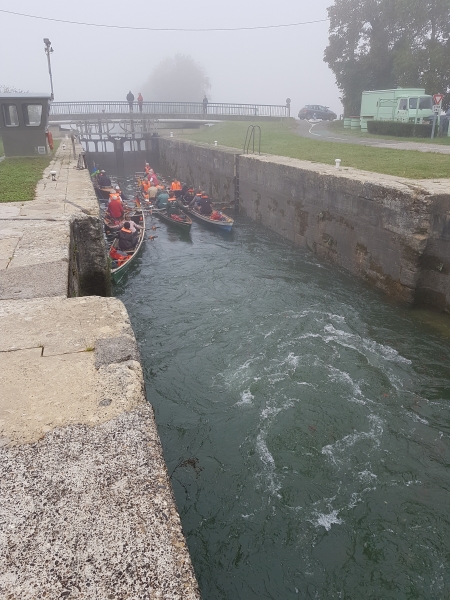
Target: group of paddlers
(163, 197)
(158, 195)
(118, 213)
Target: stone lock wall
(392, 232)
(212, 169)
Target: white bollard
(171, 134)
(215, 143)
(64, 146)
(338, 162)
(53, 174)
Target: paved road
(319, 131)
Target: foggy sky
(89, 63)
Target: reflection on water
(318, 413)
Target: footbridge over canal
(92, 111)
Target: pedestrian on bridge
(130, 100)
(205, 106)
(140, 101)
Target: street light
(48, 50)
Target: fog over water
(93, 63)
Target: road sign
(437, 98)
(437, 109)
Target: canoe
(120, 267)
(111, 225)
(184, 224)
(225, 225)
(103, 192)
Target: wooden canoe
(184, 225)
(225, 225)
(120, 268)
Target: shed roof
(27, 95)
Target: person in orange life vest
(119, 193)
(115, 207)
(196, 200)
(204, 205)
(127, 239)
(171, 204)
(140, 101)
(176, 187)
(145, 185)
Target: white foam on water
(386, 352)
(367, 476)
(416, 418)
(305, 313)
(293, 360)
(246, 398)
(327, 520)
(332, 451)
(269, 464)
(277, 378)
(344, 377)
(240, 375)
(354, 500)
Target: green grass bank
(19, 176)
(280, 139)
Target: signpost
(437, 99)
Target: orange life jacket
(118, 257)
(176, 185)
(126, 230)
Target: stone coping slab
(61, 358)
(86, 505)
(88, 513)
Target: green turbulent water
(305, 419)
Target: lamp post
(48, 50)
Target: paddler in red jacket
(115, 207)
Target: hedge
(399, 129)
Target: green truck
(400, 104)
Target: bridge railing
(185, 109)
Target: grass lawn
(338, 127)
(279, 138)
(19, 176)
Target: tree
(177, 79)
(5, 89)
(376, 44)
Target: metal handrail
(168, 108)
(252, 130)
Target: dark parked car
(315, 111)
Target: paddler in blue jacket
(161, 199)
